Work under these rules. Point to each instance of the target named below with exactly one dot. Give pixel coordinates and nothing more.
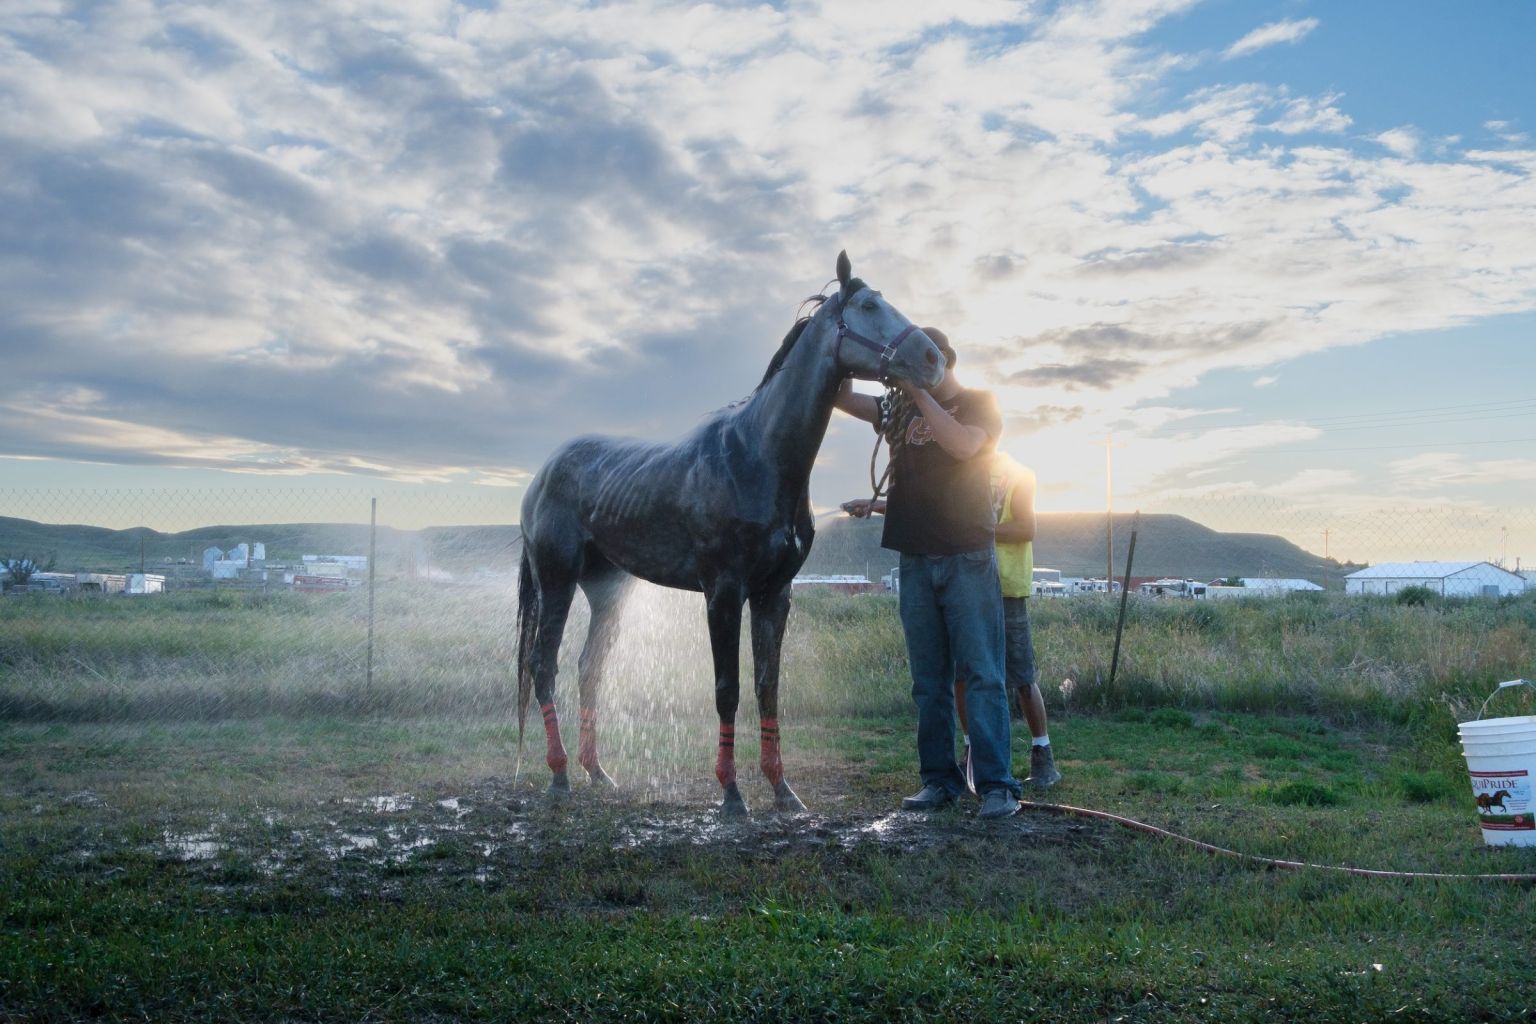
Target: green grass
(190, 829)
(518, 909)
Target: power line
(1424, 421)
(1383, 447)
(1420, 409)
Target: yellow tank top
(1015, 562)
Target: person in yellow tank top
(1013, 500)
(1013, 505)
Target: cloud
(431, 236)
(1402, 141)
(1090, 373)
(1273, 34)
(1265, 381)
(1041, 417)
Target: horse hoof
(601, 779)
(733, 806)
(784, 799)
(559, 786)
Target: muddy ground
(591, 849)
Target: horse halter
(887, 351)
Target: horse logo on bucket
(1503, 800)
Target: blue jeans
(952, 614)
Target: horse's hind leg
(770, 613)
(556, 590)
(605, 595)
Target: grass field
(275, 853)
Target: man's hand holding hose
(863, 508)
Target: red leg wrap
(586, 751)
(556, 758)
(725, 760)
(773, 764)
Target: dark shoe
(929, 798)
(998, 803)
(1042, 767)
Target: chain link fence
(219, 603)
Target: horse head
(875, 341)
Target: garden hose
(1067, 810)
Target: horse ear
(844, 269)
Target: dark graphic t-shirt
(939, 505)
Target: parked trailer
(1170, 587)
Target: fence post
(1125, 593)
(373, 551)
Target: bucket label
(1504, 801)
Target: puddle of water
(347, 842)
(453, 804)
(390, 803)
(196, 846)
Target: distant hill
(1166, 545)
(76, 547)
(1074, 542)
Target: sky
(1279, 251)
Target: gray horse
(725, 511)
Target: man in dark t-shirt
(939, 517)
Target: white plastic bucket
(1501, 758)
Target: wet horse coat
(725, 511)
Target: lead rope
(897, 413)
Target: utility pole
(1109, 509)
(1325, 542)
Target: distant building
(1169, 586)
(319, 584)
(101, 582)
(1449, 579)
(232, 564)
(227, 569)
(51, 582)
(1276, 585)
(145, 583)
(837, 584)
(1047, 583)
(347, 563)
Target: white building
(145, 583)
(1449, 579)
(1276, 585)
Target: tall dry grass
(450, 651)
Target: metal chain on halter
(897, 412)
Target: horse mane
(815, 301)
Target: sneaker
(998, 803)
(929, 798)
(1042, 767)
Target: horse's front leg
(770, 613)
(724, 609)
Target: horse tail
(527, 627)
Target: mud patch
(493, 834)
